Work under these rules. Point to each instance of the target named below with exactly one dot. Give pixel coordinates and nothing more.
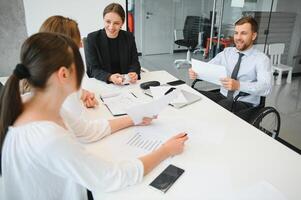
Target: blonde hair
(63, 25)
(56, 24)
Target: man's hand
(192, 74)
(230, 84)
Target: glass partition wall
(158, 24)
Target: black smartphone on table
(167, 178)
(175, 83)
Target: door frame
(143, 20)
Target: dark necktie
(234, 75)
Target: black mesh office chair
(190, 33)
(266, 119)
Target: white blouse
(42, 160)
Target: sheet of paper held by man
(152, 108)
(209, 72)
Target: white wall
(87, 13)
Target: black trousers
(89, 194)
(240, 108)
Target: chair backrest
(260, 47)
(275, 51)
(85, 56)
(191, 28)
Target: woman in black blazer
(111, 52)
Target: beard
(241, 46)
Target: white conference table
(224, 155)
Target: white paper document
(150, 109)
(209, 72)
(117, 104)
(145, 139)
(159, 91)
(140, 141)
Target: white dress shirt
(254, 75)
(42, 160)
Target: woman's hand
(147, 121)
(175, 145)
(133, 77)
(88, 99)
(116, 78)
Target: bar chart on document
(140, 141)
(149, 138)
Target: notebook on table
(185, 99)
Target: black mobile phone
(177, 82)
(167, 178)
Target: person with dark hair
(111, 52)
(40, 157)
(248, 69)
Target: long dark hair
(42, 54)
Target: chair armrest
(240, 94)
(194, 82)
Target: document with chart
(149, 138)
(209, 72)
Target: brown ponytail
(42, 54)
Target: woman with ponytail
(40, 157)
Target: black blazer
(98, 55)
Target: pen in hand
(184, 135)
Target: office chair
(266, 119)
(190, 34)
